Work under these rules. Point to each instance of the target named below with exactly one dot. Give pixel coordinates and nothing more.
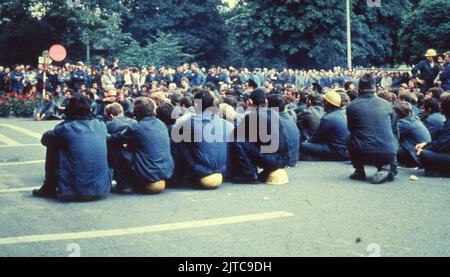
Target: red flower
(7, 104)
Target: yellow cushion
(212, 181)
(278, 177)
(155, 188)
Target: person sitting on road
(142, 153)
(46, 110)
(373, 133)
(433, 119)
(329, 141)
(116, 121)
(202, 143)
(76, 164)
(309, 119)
(435, 155)
(278, 101)
(412, 132)
(260, 141)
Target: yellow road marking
(8, 141)
(22, 130)
(146, 229)
(23, 163)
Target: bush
(12, 104)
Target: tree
(196, 24)
(313, 33)
(165, 50)
(426, 27)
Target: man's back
(372, 124)
(83, 167)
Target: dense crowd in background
(313, 106)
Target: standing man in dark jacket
(373, 133)
(426, 71)
(444, 77)
(142, 152)
(78, 77)
(76, 164)
(329, 141)
(435, 156)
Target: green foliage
(197, 24)
(164, 50)
(313, 33)
(426, 27)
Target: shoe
(121, 190)
(44, 193)
(251, 179)
(381, 177)
(358, 176)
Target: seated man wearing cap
(201, 143)
(260, 141)
(435, 155)
(373, 133)
(329, 141)
(99, 105)
(76, 166)
(143, 161)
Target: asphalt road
(319, 213)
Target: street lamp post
(349, 37)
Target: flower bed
(12, 104)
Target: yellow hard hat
(111, 93)
(278, 177)
(333, 98)
(212, 181)
(155, 188)
(431, 53)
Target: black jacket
(373, 125)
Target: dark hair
(175, 98)
(231, 100)
(277, 101)
(79, 107)
(403, 109)
(316, 99)
(347, 85)
(144, 107)
(207, 99)
(352, 93)
(345, 100)
(210, 86)
(432, 105)
(164, 113)
(445, 104)
(251, 83)
(186, 102)
(114, 109)
(408, 97)
(436, 92)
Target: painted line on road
(8, 141)
(22, 130)
(20, 145)
(23, 163)
(13, 190)
(146, 229)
